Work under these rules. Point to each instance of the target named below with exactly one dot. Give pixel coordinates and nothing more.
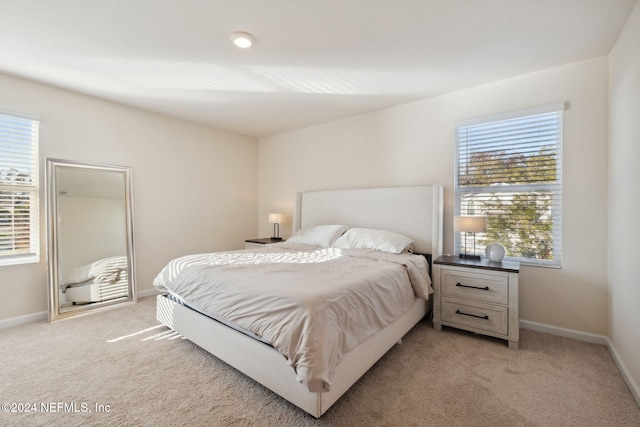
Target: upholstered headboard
(415, 211)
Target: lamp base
(276, 239)
(469, 256)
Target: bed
(414, 212)
(101, 280)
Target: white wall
(414, 144)
(194, 188)
(624, 195)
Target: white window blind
(19, 228)
(510, 169)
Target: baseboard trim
(563, 332)
(631, 383)
(591, 338)
(148, 293)
(21, 320)
(43, 315)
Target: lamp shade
(470, 224)
(276, 218)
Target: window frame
(9, 147)
(555, 188)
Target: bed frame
(414, 211)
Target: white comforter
(311, 304)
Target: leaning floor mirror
(90, 237)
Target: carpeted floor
(119, 367)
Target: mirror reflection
(90, 236)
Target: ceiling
(314, 60)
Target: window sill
(17, 260)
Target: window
(19, 229)
(509, 168)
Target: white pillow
(320, 235)
(380, 240)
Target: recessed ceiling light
(242, 40)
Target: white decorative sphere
(495, 252)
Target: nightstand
(257, 243)
(480, 296)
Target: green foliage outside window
(517, 217)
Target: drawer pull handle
(486, 288)
(485, 317)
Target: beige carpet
(140, 374)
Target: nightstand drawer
(483, 317)
(480, 287)
(477, 295)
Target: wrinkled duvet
(312, 304)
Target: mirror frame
(52, 239)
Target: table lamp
(470, 224)
(276, 219)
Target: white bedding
(101, 280)
(311, 304)
(106, 270)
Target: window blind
(19, 212)
(511, 171)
